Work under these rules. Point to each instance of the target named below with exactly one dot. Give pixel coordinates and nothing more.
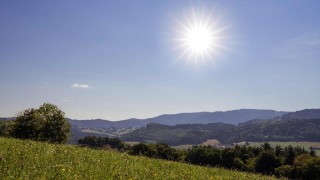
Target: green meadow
(25, 159)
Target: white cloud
(79, 85)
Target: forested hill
(303, 114)
(229, 117)
(281, 130)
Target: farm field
(24, 159)
(306, 145)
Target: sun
(200, 37)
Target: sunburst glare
(200, 37)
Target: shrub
(284, 171)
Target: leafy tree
(55, 127)
(48, 123)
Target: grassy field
(33, 160)
(306, 145)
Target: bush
(238, 164)
(284, 171)
(251, 164)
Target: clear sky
(119, 59)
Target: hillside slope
(33, 160)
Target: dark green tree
(312, 152)
(204, 156)
(278, 150)
(267, 162)
(266, 146)
(48, 123)
(27, 125)
(290, 154)
(144, 150)
(228, 156)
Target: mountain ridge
(229, 117)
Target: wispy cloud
(80, 85)
(301, 46)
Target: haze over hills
(302, 125)
(302, 114)
(228, 117)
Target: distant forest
(271, 130)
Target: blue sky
(117, 60)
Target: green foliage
(239, 164)
(307, 167)
(5, 127)
(160, 150)
(44, 124)
(284, 171)
(204, 156)
(267, 162)
(289, 155)
(251, 164)
(102, 142)
(266, 146)
(278, 150)
(34, 160)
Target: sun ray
(200, 37)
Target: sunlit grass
(34, 160)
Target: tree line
(290, 162)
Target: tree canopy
(47, 123)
